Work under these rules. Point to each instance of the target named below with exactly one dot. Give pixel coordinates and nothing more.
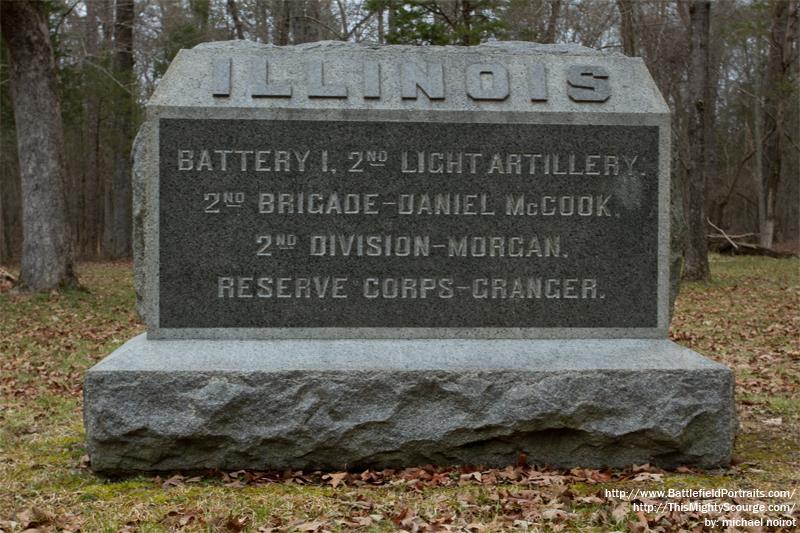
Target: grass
(747, 317)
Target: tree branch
(64, 16)
(110, 75)
(770, 115)
(358, 25)
(317, 21)
(437, 10)
(723, 233)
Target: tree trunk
(392, 21)
(47, 254)
(282, 15)
(696, 266)
(552, 21)
(201, 9)
(466, 21)
(758, 164)
(627, 31)
(10, 187)
(343, 22)
(777, 88)
(4, 247)
(117, 235)
(305, 21)
(678, 181)
(233, 11)
(381, 31)
(261, 15)
(107, 18)
(91, 199)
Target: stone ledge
(157, 405)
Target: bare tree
(777, 86)
(381, 30)
(282, 12)
(5, 245)
(627, 31)
(47, 254)
(233, 11)
(91, 177)
(696, 254)
(306, 25)
(532, 21)
(117, 231)
(552, 21)
(262, 16)
(751, 150)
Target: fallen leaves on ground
(424, 477)
(486, 499)
(747, 319)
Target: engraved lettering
(522, 205)
(317, 88)
(281, 287)
(501, 246)
(213, 201)
(629, 162)
(185, 160)
(533, 288)
(260, 86)
(261, 161)
(221, 76)
(243, 158)
(454, 163)
(537, 83)
(487, 81)
(602, 208)
(482, 81)
(444, 204)
(265, 241)
(281, 160)
(301, 159)
(318, 204)
(243, 287)
(591, 163)
(370, 245)
(407, 288)
(436, 163)
(356, 158)
(372, 80)
(223, 158)
(611, 165)
(225, 287)
(588, 83)
(496, 165)
(205, 161)
(414, 79)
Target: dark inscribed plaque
(400, 224)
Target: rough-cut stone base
(157, 405)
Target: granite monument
(362, 256)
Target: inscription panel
(394, 224)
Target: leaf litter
(746, 319)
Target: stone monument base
(158, 405)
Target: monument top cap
(501, 77)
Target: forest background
(728, 70)
(84, 69)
